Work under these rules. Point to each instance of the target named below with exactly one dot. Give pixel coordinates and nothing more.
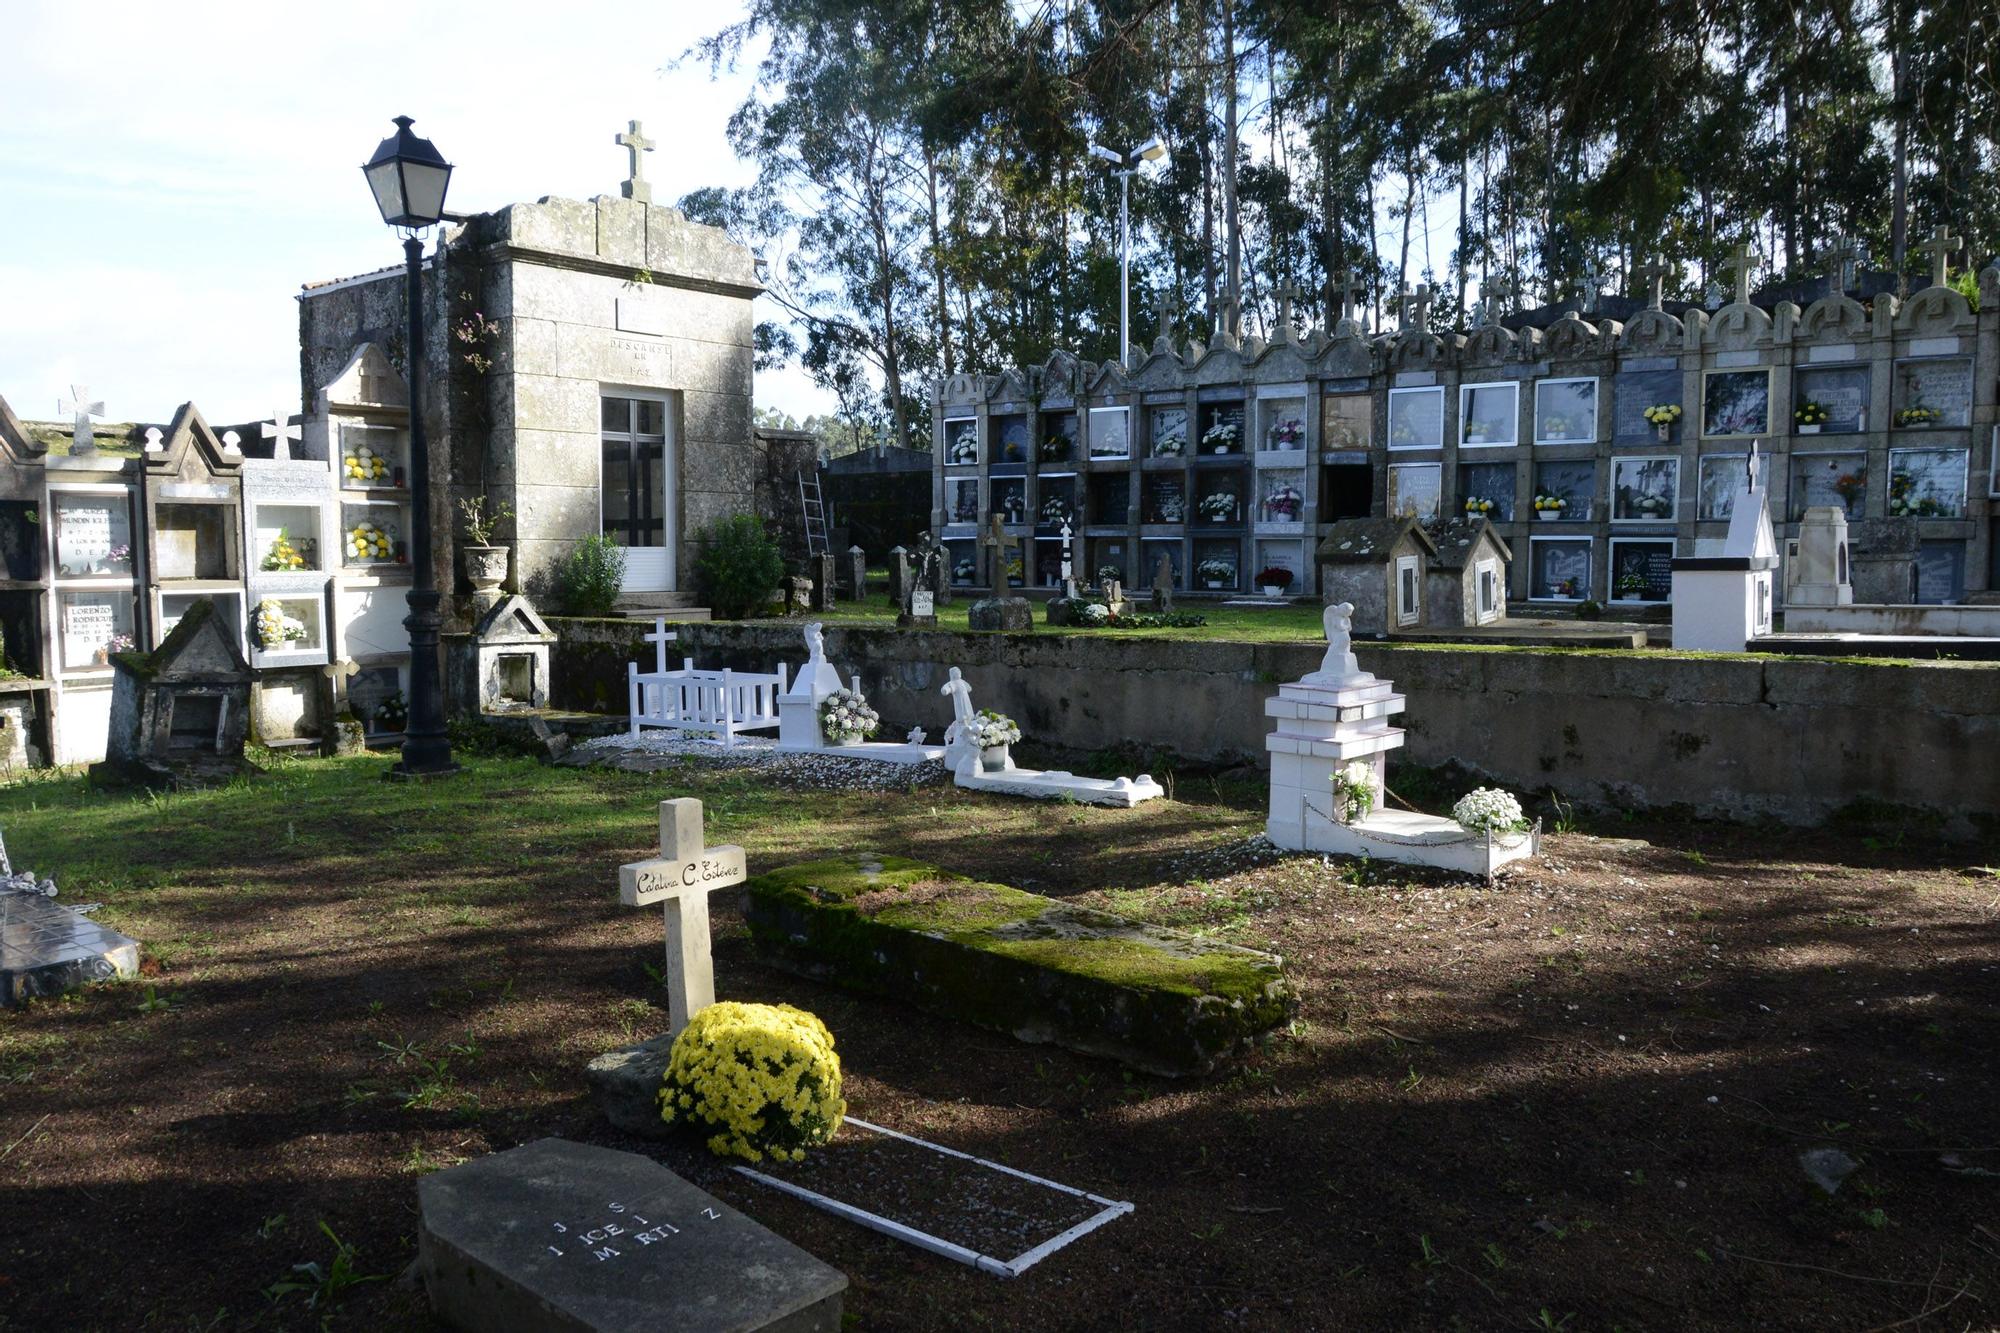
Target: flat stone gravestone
(556, 1235)
(821, 568)
(46, 949)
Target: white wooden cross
(82, 409)
(681, 879)
(660, 638)
(635, 142)
(1940, 247)
(281, 432)
(1068, 571)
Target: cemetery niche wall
(1600, 447)
(26, 692)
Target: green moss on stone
(1003, 958)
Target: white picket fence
(712, 703)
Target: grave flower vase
(1666, 431)
(1812, 429)
(1548, 515)
(485, 566)
(993, 759)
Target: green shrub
(739, 566)
(589, 581)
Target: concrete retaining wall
(1957, 621)
(1729, 737)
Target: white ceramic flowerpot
(1548, 515)
(993, 759)
(1270, 591)
(1809, 430)
(1214, 585)
(845, 739)
(485, 566)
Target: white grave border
(985, 1263)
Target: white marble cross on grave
(660, 638)
(280, 431)
(635, 142)
(1068, 569)
(681, 879)
(80, 406)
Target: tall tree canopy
(926, 202)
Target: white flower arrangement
(845, 715)
(1219, 505)
(1221, 437)
(990, 729)
(1489, 808)
(1171, 445)
(1094, 613)
(1354, 789)
(1215, 570)
(274, 628)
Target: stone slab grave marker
(681, 878)
(558, 1235)
(1163, 583)
(857, 573)
(899, 575)
(820, 567)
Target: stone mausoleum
(1238, 455)
(589, 364)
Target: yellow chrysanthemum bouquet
(764, 1077)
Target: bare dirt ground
(1577, 1099)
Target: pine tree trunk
(1232, 218)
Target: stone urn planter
(485, 566)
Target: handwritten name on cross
(1840, 260)
(280, 431)
(79, 406)
(1940, 247)
(1352, 291)
(635, 142)
(1655, 276)
(1742, 262)
(680, 879)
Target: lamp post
(409, 179)
(1125, 166)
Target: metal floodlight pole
(1125, 166)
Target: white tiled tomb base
(1052, 784)
(1321, 729)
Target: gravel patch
(651, 751)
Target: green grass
(1284, 623)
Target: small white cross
(1067, 570)
(660, 638)
(281, 432)
(83, 409)
(155, 442)
(681, 879)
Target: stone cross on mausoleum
(1841, 259)
(681, 878)
(635, 142)
(1655, 276)
(79, 405)
(1742, 262)
(1413, 309)
(1940, 247)
(280, 431)
(1352, 291)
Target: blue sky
(171, 174)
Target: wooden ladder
(813, 506)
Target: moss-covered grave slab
(1041, 969)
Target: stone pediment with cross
(680, 879)
(366, 381)
(636, 145)
(192, 449)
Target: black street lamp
(409, 179)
